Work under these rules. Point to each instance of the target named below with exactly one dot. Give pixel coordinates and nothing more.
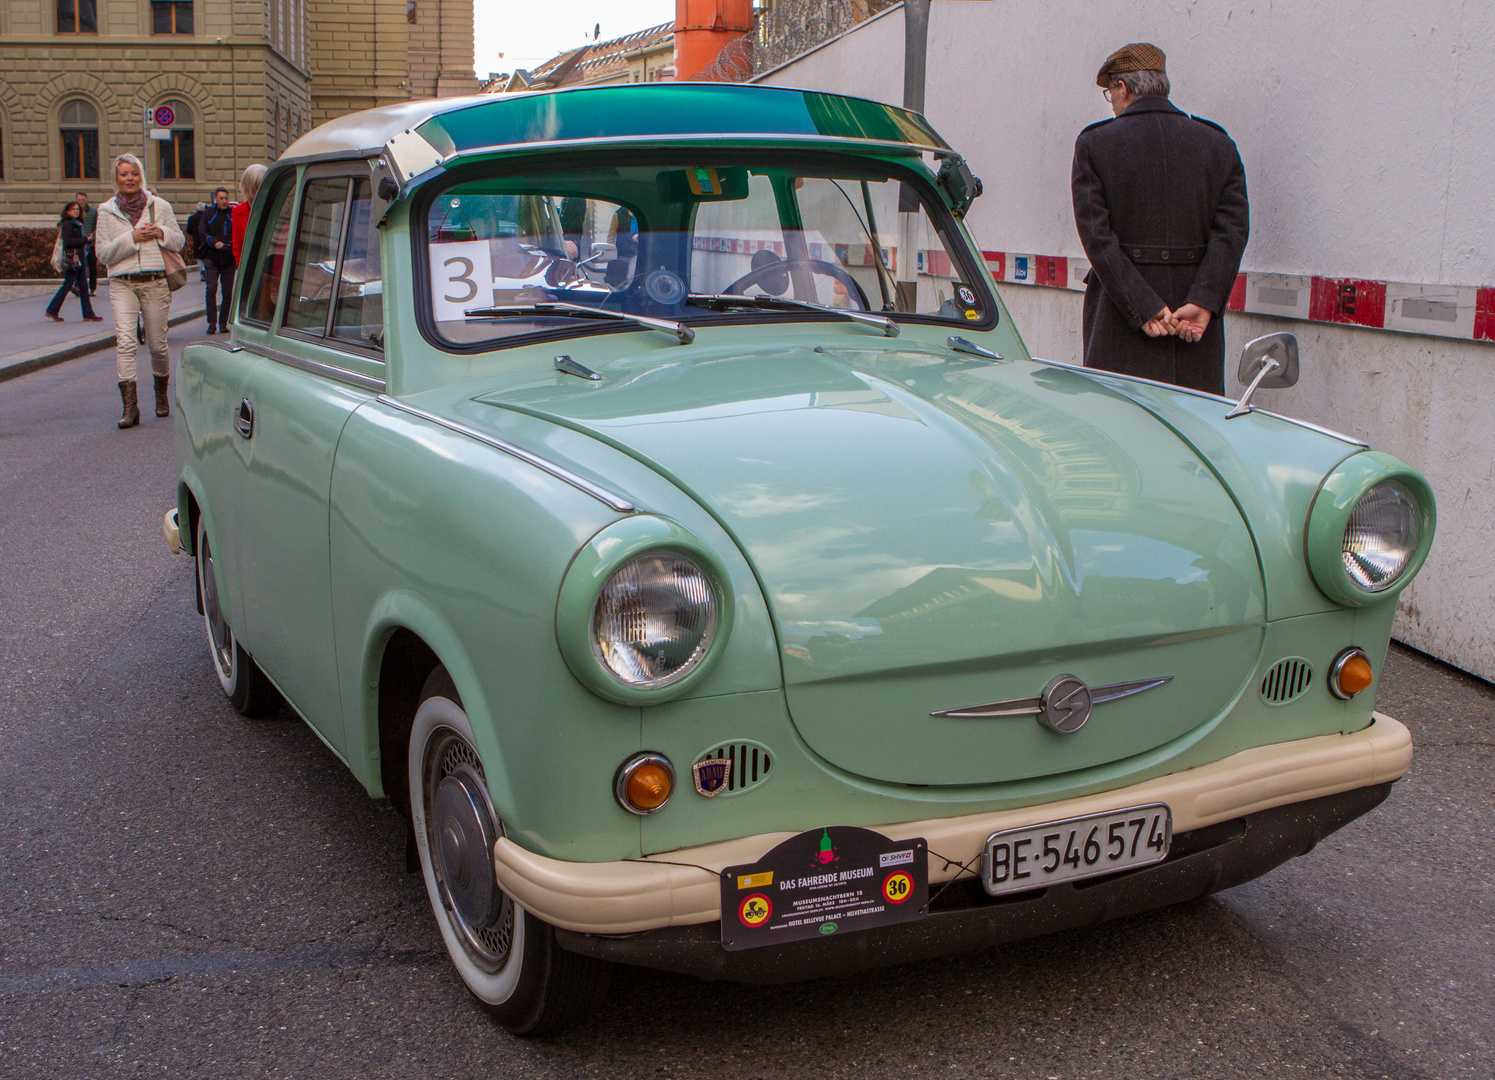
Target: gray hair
(249, 183)
(1144, 83)
(128, 159)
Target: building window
(171, 16)
(177, 161)
(77, 17)
(78, 124)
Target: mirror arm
(1244, 405)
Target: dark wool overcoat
(1160, 205)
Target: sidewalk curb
(25, 363)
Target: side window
(359, 315)
(258, 304)
(314, 262)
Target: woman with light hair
(249, 186)
(134, 228)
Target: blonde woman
(249, 186)
(133, 228)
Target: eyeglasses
(1106, 93)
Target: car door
(320, 360)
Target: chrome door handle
(244, 419)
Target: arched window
(78, 124)
(177, 158)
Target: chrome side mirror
(1270, 362)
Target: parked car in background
(645, 489)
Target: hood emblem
(711, 775)
(1064, 705)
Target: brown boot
(163, 407)
(127, 394)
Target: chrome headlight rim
(1329, 519)
(594, 565)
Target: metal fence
(792, 28)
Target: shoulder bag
(176, 266)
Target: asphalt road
(187, 893)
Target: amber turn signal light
(644, 783)
(1350, 674)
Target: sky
(529, 32)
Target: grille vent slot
(752, 764)
(1286, 680)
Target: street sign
(164, 117)
(161, 134)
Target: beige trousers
(151, 302)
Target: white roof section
(372, 128)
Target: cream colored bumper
(645, 894)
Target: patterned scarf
(133, 207)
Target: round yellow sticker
(898, 887)
(755, 910)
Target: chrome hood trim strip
(601, 494)
(1032, 706)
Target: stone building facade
(386, 51)
(235, 82)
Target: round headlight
(1369, 529)
(1383, 534)
(654, 620)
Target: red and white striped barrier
(1466, 312)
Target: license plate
(1037, 856)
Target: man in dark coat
(1160, 205)
(215, 251)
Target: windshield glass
(670, 241)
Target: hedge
(27, 253)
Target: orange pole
(703, 28)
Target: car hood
(934, 532)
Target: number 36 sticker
(897, 887)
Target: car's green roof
(661, 111)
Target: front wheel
(508, 959)
(242, 681)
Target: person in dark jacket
(1160, 205)
(74, 272)
(215, 250)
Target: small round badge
(755, 910)
(897, 887)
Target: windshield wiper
(581, 311)
(778, 303)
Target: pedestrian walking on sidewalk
(134, 227)
(74, 272)
(1160, 206)
(214, 242)
(90, 227)
(249, 186)
(191, 230)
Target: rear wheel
(508, 959)
(242, 681)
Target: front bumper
(681, 888)
(964, 919)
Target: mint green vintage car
(645, 489)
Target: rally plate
(1037, 856)
(833, 880)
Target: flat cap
(1139, 56)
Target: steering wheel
(756, 275)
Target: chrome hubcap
(461, 830)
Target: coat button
(1136, 253)
(1165, 254)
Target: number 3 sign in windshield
(461, 278)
